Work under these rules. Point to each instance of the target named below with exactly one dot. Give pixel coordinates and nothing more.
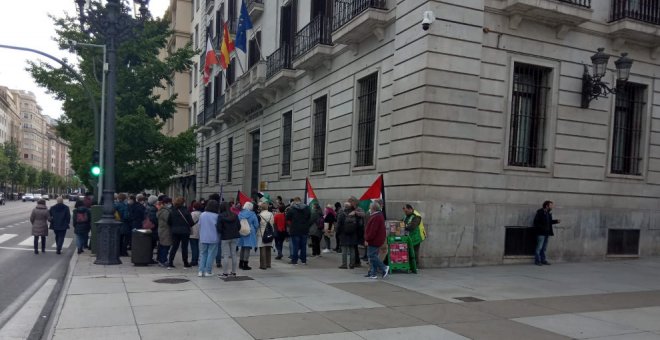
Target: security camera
(427, 20)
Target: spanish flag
(226, 48)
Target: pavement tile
(288, 325)
(99, 333)
(501, 329)
(321, 303)
(191, 312)
(372, 287)
(300, 290)
(371, 318)
(97, 301)
(147, 284)
(635, 336)
(243, 308)
(428, 332)
(404, 298)
(331, 336)
(222, 329)
(78, 317)
(572, 304)
(509, 309)
(646, 319)
(632, 299)
(242, 293)
(577, 326)
(216, 283)
(96, 285)
(169, 298)
(445, 313)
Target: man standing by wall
(543, 223)
(299, 215)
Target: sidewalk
(606, 300)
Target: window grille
(529, 111)
(287, 126)
(319, 119)
(366, 132)
(230, 157)
(627, 133)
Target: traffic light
(96, 169)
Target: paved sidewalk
(606, 300)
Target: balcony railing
(642, 10)
(346, 10)
(218, 104)
(209, 113)
(581, 3)
(200, 119)
(251, 2)
(280, 59)
(318, 31)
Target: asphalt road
(20, 268)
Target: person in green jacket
(413, 221)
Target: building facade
(34, 146)
(475, 120)
(10, 126)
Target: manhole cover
(468, 299)
(236, 278)
(171, 281)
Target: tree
(32, 177)
(145, 158)
(16, 174)
(46, 179)
(4, 167)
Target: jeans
(162, 254)
(218, 257)
(81, 240)
(229, 251)
(374, 261)
(347, 251)
(194, 248)
(43, 244)
(179, 239)
(208, 251)
(279, 244)
(299, 245)
(541, 246)
(316, 245)
(59, 239)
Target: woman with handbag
(181, 223)
(249, 227)
(266, 234)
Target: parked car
(45, 197)
(28, 197)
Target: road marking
(3, 228)
(28, 242)
(14, 248)
(21, 324)
(25, 296)
(7, 237)
(66, 244)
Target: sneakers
(343, 267)
(325, 251)
(209, 274)
(223, 275)
(373, 277)
(387, 271)
(200, 274)
(170, 266)
(293, 263)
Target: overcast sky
(25, 23)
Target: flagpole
(239, 62)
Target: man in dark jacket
(121, 208)
(348, 227)
(543, 224)
(60, 218)
(299, 215)
(136, 212)
(360, 218)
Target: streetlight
(592, 85)
(113, 25)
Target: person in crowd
(121, 215)
(338, 208)
(280, 230)
(164, 230)
(218, 256)
(191, 207)
(543, 223)
(180, 225)
(360, 219)
(298, 215)
(88, 200)
(279, 201)
(136, 212)
(374, 238)
(249, 241)
(265, 249)
(329, 221)
(347, 228)
(60, 219)
(151, 211)
(194, 233)
(316, 229)
(82, 224)
(414, 227)
(235, 207)
(228, 227)
(208, 237)
(39, 219)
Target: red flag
(242, 199)
(210, 60)
(310, 196)
(375, 191)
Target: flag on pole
(244, 24)
(210, 60)
(242, 198)
(310, 196)
(376, 191)
(226, 47)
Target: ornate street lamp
(592, 85)
(113, 25)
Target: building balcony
(246, 91)
(357, 20)
(210, 4)
(201, 124)
(561, 14)
(218, 111)
(312, 45)
(635, 21)
(279, 68)
(255, 9)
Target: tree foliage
(145, 158)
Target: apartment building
(58, 161)
(475, 120)
(34, 145)
(10, 121)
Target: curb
(59, 305)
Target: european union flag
(244, 24)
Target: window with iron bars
(217, 162)
(366, 130)
(529, 113)
(230, 157)
(287, 127)
(627, 131)
(319, 121)
(206, 166)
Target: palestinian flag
(242, 198)
(375, 191)
(310, 196)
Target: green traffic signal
(96, 170)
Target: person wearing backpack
(266, 236)
(316, 229)
(82, 224)
(347, 228)
(249, 227)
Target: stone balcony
(279, 69)
(247, 91)
(561, 14)
(636, 22)
(313, 44)
(255, 9)
(358, 20)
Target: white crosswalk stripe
(6, 237)
(66, 243)
(27, 242)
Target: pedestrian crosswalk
(6, 237)
(29, 242)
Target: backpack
(81, 217)
(268, 234)
(245, 227)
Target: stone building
(34, 144)
(10, 126)
(475, 121)
(58, 162)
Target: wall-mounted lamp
(592, 85)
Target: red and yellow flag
(226, 48)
